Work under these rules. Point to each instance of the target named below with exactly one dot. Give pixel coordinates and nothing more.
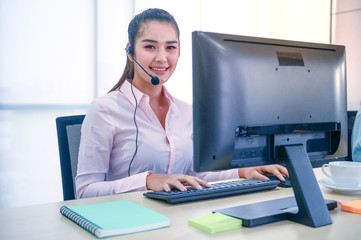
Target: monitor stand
(307, 206)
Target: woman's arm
(93, 185)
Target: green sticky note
(215, 222)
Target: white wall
(46, 52)
(112, 18)
(306, 20)
(346, 23)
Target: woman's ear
(129, 51)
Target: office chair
(351, 116)
(68, 130)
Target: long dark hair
(152, 14)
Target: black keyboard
(217, 190)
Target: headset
(154, 81)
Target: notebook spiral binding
(84, 223)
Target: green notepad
(115, 218)
(215, 222)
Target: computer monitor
(259, 101)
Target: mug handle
(324, 171)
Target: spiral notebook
(115, 218)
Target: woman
(139, 136)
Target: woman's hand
(158, 182)
(262, 172)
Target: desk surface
(45, 221)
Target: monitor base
(267, 212)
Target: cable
(136, 126)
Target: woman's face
(157, 50)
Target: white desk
(45, 222)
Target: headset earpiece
(129, 50)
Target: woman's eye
(149, 47)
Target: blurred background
(56, 56)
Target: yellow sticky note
(215, 222)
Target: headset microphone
(155, 79)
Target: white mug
(344, 173)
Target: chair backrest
(69, 132)
(351, 116)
